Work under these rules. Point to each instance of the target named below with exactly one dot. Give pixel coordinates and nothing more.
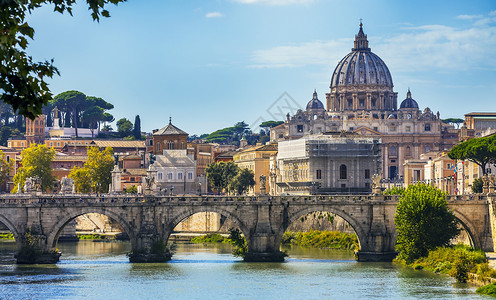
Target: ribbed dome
(409, 102)
(315, 103)
(361, 66)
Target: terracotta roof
(269, 147)
(170, 130)
(481, 114)
(119, 144)
(136, 172)
(3, 148)
(227, 154)
(70, 157)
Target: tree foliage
(481, 151)
(124, 127)
(220, 174)
(84, 111)
(22, 80)
(36, 161)
(423, 221)
(5, 169)
(477, 185)
(96, 174)
(244, 180)
(453, 121)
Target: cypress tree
(137, 128)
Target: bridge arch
(199, 209)
(294, 216)
(56, 229)
(13, 230)
(470, 229)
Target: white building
(176, 172)
(327, 163)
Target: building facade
(362, 100)
(327, 163)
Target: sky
(210, 64)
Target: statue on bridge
(32, 184)
(66, 185)
(262, 184)
(376, 183)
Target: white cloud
(469, 17)
(275, 2)
(430, 47)
(214, 14)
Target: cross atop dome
(361, 42)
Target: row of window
(343, 173)
(170, 176)
(169, 145)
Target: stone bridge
(263, 219)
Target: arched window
(408, 151)
(158, 146)
(182, 145)
(342, 172)
(170, 145)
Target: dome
(361, 66)
(315, 103)
(409, 102)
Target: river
(100, 270)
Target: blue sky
(210, 64)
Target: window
(180, 176)
(373, 102)
(281, 136)
(343, 186)
(408, 151)
(408, 128)
(159, 175)
(427, 127)
(158, 147)
(8, 158)
(376, 128)
(190, 176)
(319, 174)
(427, 148)
(169, 176)
(362, 102)
(182, 145)
(392, 151)
(170, 145)
(350, 103)
(367, 185)
(392, 128)
(351, 128)
(342, 172)
(367, 173)
(299, 128)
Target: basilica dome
(361, 66)
(315, 103)
(409, 102)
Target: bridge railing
(25, 199)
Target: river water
(101, 270)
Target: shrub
(489, 289)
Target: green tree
(481, 151)
(82, 179)
(124, 127)
(220, 174)
(5, 169)
(93, 116)
(137, 128)
(423, 222)
(36, 161)
(22, 80)
(244, 180)
(453, 121)
(477, 185)
(72, 102)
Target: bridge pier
(33, 249)
(148, 246)
(262, 248)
